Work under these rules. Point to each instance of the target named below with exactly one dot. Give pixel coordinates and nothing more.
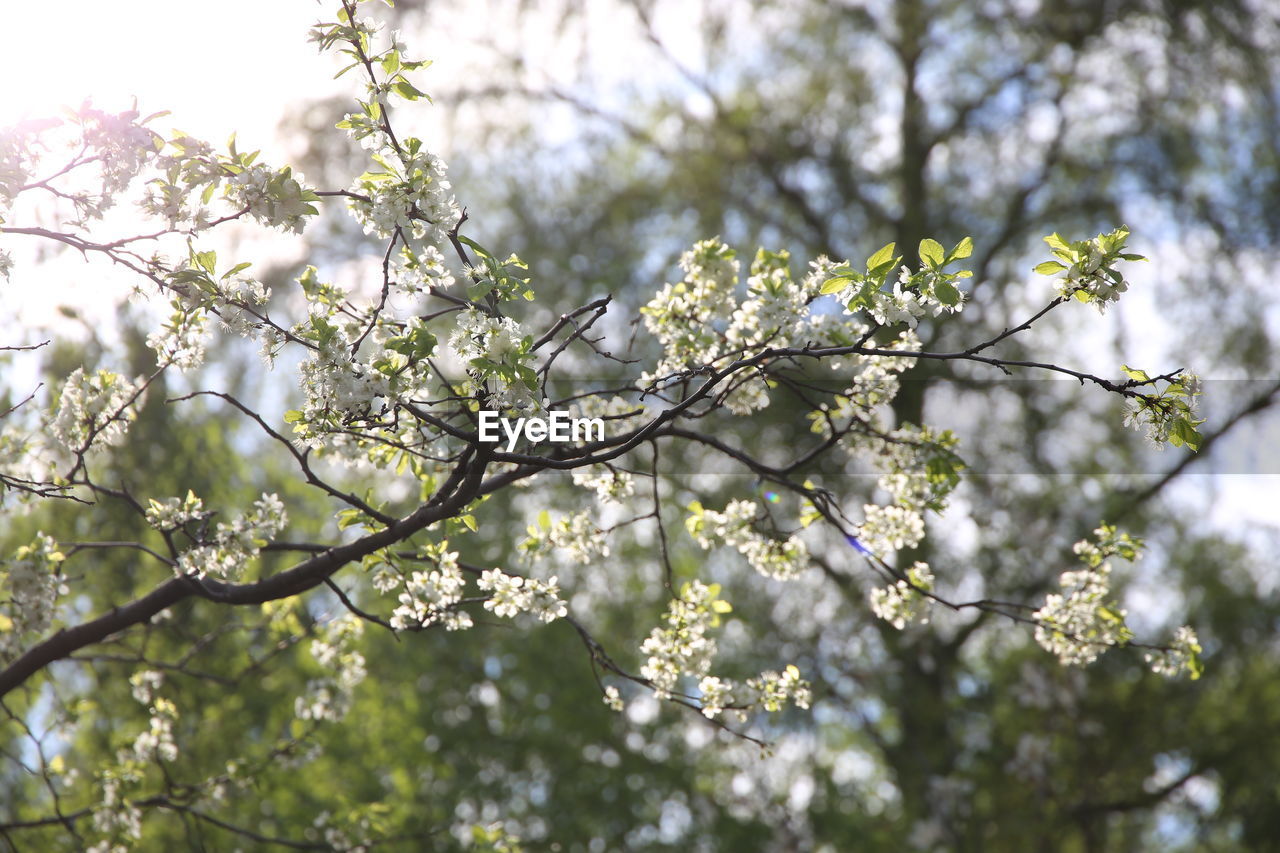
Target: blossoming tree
(392, 384)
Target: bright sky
(204, 62)
(217, 69)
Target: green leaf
(962, 250)
(1055, 241)
(931, 252)
(1135, 374)
(881, 270)
(408, 91)
(1049, 268)
(1182, 431)
(881, 257)
(479, 250)
(946, 293)
(477, 291)
(834, 285)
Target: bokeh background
(599, 139)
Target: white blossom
(172, 513)
(904, 601)
(782, 558)
(1080, 623)
(30, 585)
(94, 410)
(890, 528)
(1181, 656)
(510, 595)
(234, 544)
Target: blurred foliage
(819, 128)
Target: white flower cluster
(432, 596)
(682, 648)
(890, 528)
(776, 314)
(15, 163)
(15, 169)
(239, 298)
(338, 838)
(93, 410)
(26, 456)
(681, 315)
(181, 340)
(899, 306)
(610, 484)
(918, 467)
(415, 272)
(781, 559)
(1079, 623)
(1086, 274)
(116, 816)
(189, 169)
(479, 335)
(769, 690)
(144, 684)
(157, 741)
(874, 385)
(329, 697)
(576, 533)
(1181, 656)
(510, 595)
(343, 383)
(30, 583)
(236, 543)
(497, 348)
(175, 512)
(775, 311)
(337, 383)
(775, 689)
(413, 194)
(904, 602)
(186, 166)
(613, 699)
(717, 694)
(121, 145)
(912, 296)
(273, 197)
(1088, 267)
(1170, 415)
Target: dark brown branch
(458, 491)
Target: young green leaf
(962, 250)
(833, 285)
(931, 252)
(881, 257)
